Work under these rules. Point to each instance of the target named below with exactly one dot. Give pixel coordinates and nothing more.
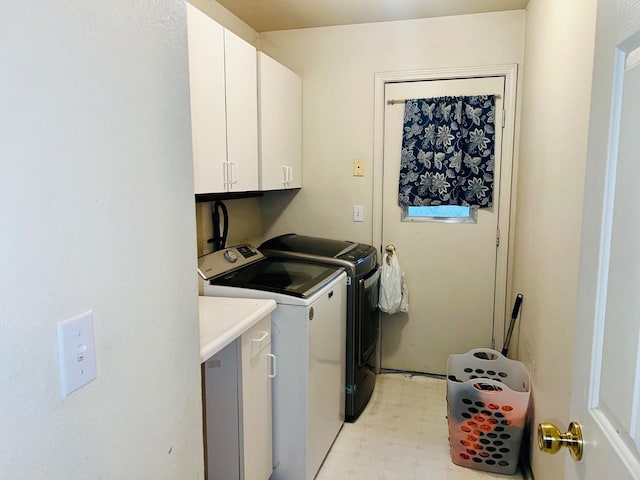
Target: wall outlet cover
(358, 168)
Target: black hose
(219, 238)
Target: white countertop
(222, 320)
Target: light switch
(358, 213)
(76, 352)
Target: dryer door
(366, 318)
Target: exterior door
(450, 268)
(606, 384)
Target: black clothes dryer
(360, 262)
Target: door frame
(507, 204)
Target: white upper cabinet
(241, 79)
(280, 100)
(224, 107)
(208, 116)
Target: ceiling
(270, 15)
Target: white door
(606, 384)
(450, 268)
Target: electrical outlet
(358, 168)
(77, 352)
(358, 213)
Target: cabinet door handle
(287, 174)
(262, 337)
(234, 173)
(225, 173)
(273, 365)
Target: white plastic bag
(390, 284)
(404, 302)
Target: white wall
(97, 214)
(553, 145)
(338, 66)
(245, 223)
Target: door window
(440, 213)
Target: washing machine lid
(323, 247)
(357, 259)
(289, 277)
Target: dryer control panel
(227, 260)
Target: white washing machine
(308, 340)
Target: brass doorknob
(550, 439)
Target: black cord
(219, 238)
(225, 223)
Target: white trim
(625, 453)
(633, 59)
(505, 211)
(606, 232)
(635, 403)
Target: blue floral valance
(448, 151)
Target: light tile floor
(401, 435)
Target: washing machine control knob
(231, 256)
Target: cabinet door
(242, 113)
(208, 117)
(220, 375)
(280, 113)
(256, 401)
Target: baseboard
(525, 467)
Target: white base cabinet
(280, 113)
(237, 386)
